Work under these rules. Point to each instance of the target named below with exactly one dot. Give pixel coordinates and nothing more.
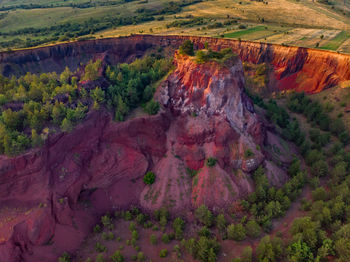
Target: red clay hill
(51, 197)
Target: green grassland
(241, 33)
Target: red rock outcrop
(214, 119)
(303, 69)
(50, 197)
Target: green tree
(66, 125)
(121, 109)
(64, 258)
(98, 95)
(58, 113)
(221, 222)
(319, 168)
(36, 139)
(247, 254)
(269, 250)
(178, 226)
(253, 229)
(308, 231)
(300, 252)
(187, 48)
(149, 178)
(163, 253)
(153, 239)
(92, 71)
(151, 107)
(13, 120)
(117, 257)
(236, 232)
(204, 215)
(65, 75)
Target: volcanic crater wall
(303, 69)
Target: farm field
(301, 23)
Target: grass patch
(245, 32)
(335, 43)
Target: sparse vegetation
(211, 162)
(149, 178)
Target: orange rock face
(298, 68)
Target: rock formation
(51, 197)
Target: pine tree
(66, 125)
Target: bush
(117, 257)
(186, 48)
(319, 194)
(204, 215)
(64, 258)
(151, 107)
(211, 162)
(163, 252)
(165, 238)
(97, 229)
(149, 178)
(248, 153)
(100, 248)
(269, 249)
(247, 254)
(178, 226)
(153, 239)
(236, 232)
(253, 229)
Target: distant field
(245, 32)
(336, 42)
(301, 23)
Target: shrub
(247, 254)
(163, 252)
(204, 232)
(253, 229)
(141, 257)
(151, 107)
(178, 226)
(319, 194)
(149, 178)
(153, 239)
(64, 258)
(211, 162)
(100, 248)
(191, 172)
(187, 48)
(204, 215)
(97, 229)
(117, 257)
(221, 222)
(236, 232)
(100, 258)
(165, 238)
(248, 153)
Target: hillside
(307, 23)
(173, 148)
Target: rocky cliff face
(297, 68)
(50, 197)
(213, 118)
